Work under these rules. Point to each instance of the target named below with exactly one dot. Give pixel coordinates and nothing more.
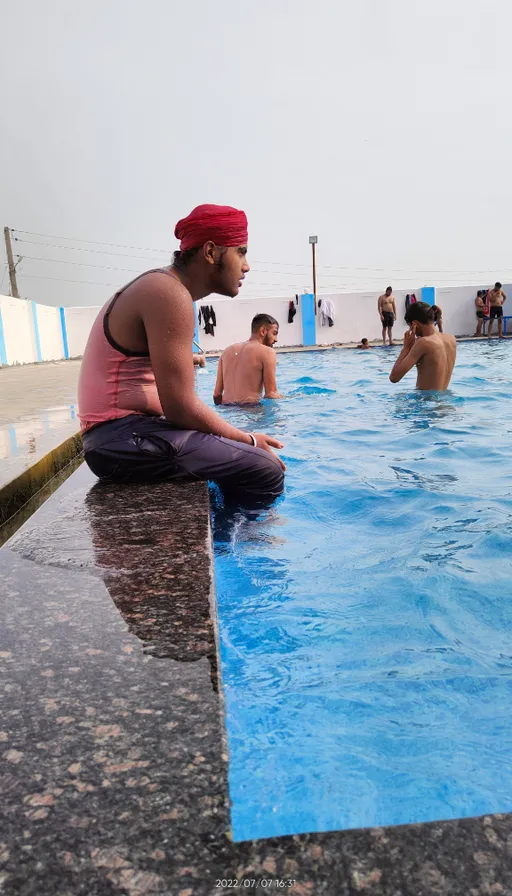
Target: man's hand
(267, 443)
(273, 395)
(217, 399)
(409, 340)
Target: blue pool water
(365, 621)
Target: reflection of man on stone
(247, 368)
(167, 608)
(387, 311)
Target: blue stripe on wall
(64, 332)
(36, 332)
(3, 353)
(428, 295)
(307, 304)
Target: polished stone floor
(114, 770)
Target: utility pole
(12, 269)
(313, 241)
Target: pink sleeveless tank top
(113, 381)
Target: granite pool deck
(114, 770)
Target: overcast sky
(383, 126)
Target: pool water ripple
(365, 620)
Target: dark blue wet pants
(142, 448)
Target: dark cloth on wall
(292, 311)
(207, 317)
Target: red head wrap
(222, 224)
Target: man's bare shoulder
(448, 339)
(258, 350)
(232, 349)
(160, 285)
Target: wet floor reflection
(30, 438)
(163, 603)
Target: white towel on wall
(326, 312)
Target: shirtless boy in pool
(433, 353)
(247, 368)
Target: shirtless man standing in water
(433, 353)
(246, 368)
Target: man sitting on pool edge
(433, 353)
(140, 418)
(247, 368)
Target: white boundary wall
(31, 332)
(234, 321)
(78, 326)
(19, 345)
(357, 317)
(50, 333)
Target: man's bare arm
(269, 375)
(408, 357)
(379, 307)
(219, 384)
(168, 319)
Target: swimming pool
(365, 620)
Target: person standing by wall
(387, 311)
(480, 311)
(438, 317)
(496, 298)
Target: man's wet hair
(182, 260)
(420, 311)
(497, 285)
(262, 320)
(364, 341)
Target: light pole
(313, 241)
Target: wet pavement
(38, 412)
(112, 743)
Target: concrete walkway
(37, 412)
